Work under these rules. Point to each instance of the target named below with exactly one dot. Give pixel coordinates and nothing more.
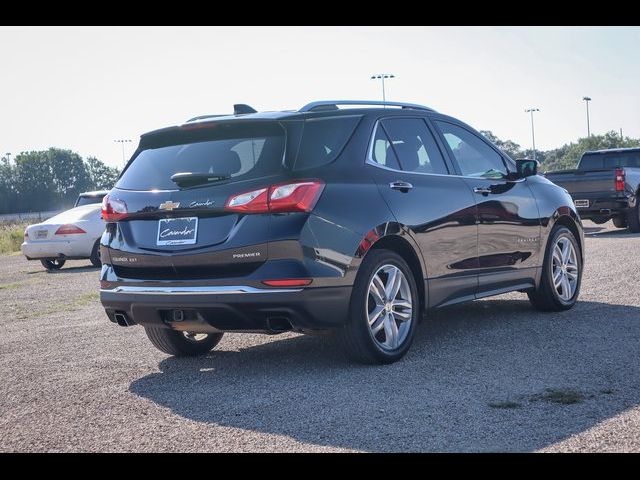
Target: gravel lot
(491, 375)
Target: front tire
(52, 264)
(619, 222)
(182, 344)
(561, 273)
(384, 310)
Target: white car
(74, 234)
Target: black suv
(354, 219)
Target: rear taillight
(69, 229)
(620, 180)
(255, 201)
(113, 209)
(280, 198)
(26, 235)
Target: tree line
(50, 180)
(566, 156)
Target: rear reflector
(295, 282)
(299, 196)
(69, 229)
(113, 209)
(620, 180)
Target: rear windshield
(597, 161)
(87, 200)
(238, 150)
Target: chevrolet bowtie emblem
(169, 205)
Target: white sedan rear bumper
(77, 248)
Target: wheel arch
(573, 223)
(397, 238)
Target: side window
(475, 158)
(414, 146)
(382, 152)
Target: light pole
(587, 100)
(382, 76)
(122, 142)
(533, 134)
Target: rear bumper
(57, 249)
(229, 308)
(599, 207)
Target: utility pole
(533, 133)
(382, 76)
(587, 100)
(621, 137)
(122, 142)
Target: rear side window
(414, 146)
(610, 160)
(323, 139)
(240, 150)
(382, 153)
(592, 162)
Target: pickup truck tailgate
(584, 181)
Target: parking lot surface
(493, 375)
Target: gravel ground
(493, 375)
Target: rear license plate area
(177, 231)
(40, 234)
(581, 203)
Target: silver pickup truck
(605, 186)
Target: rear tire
(619, 222)
(383, 311)
(633, 219)
(52, 263)
(554, 294)
(95, 255)
(182, 344)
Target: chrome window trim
(370, 161)
(195, 290)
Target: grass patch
(11, 237)
(87, 299)
(505, 405)
(10, 286)
(563, 397)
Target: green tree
(7, 188)
(509, 147)
(69, 175)
(102, 176)
(33, 182)
(567, 156)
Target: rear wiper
(189, 179)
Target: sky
(81, 88)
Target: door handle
(482, 190)
(400, 185)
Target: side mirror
(526, 168)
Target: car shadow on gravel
(493, 375)
(617, 233)
(67, 270)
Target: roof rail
(202, 117)
(328, 104)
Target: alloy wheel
(565, 268)
(389, 307)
